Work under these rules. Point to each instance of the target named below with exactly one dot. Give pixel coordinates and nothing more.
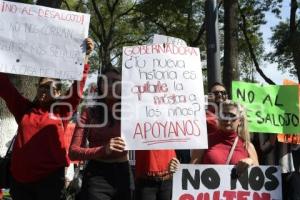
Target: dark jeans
(153, 190)
(290, 186)
(49, 188)
(107, 181)
(294, 186)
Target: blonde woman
(232, 129)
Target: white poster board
(197, 182)
(42, 41)
(163, 98)
(160, 39)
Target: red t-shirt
(153, 162)
(219, 145)
(39, 147)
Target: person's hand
(243, 165)
(89, 46)
(174, 165)
(115, 144)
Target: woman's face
(111, 85)
(229, 118)
(46, 91)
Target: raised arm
(15, 102)
(76, 90)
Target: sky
(270, 69)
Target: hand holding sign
(41, 41)
(174, 165)
(89, 46)
(115, 144)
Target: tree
(286, 38)
(183, 19)
(112, 27)
(250, 43)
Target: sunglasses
(46, 87)
(228, 116)
(216, 93)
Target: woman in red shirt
(232, 126)
(107, 175)
(39, 154)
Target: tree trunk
(295, 37)
(294, 43)
(230, 69)
(49, 3)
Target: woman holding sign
(230, 144)
(39, 154)
(107, 175)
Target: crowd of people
(40, 156)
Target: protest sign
(42, 41)
(291, 138)
(160, 39)
(219, 182)
(270, 108)
(162, 98)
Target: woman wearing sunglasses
(39, 155)
(232, 134)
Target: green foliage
(283, 54)
(255, 11)
(118, 23)
(182, 19)
(111, 28)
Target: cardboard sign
(160, 39)
(293, 138)
(219, 182)
(42, 41)
(270, 108)
(162, 98)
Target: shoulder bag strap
(232, 150)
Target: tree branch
(202, 29)
(294, 7)
(67, 5)
(96, 33)
(100, 18)
(200, 33)
(127, 11)
(253, 57)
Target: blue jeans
(153, 189)
(107, 181)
